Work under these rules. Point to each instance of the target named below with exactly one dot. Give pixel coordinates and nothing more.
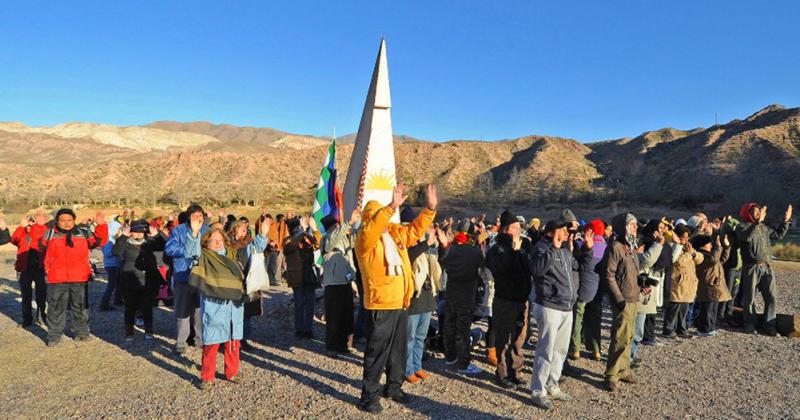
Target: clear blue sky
(459, 69)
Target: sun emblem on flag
(380, 181)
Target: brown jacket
(299, 253)
(711, 276)
(684, 274)
(278, 233)
(621, 273)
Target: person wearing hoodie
(139, 277)
(593, 309)
(685, 260)
(620, 268)
(388, 284)
(183, 247)
(587, 289)
(66, 248)
(712, 291)
(338, 274)
(733, 271)
(552, 265)
(509, 262)
(755, 239)
(461, 261)
(29, 265)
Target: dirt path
(732, 375)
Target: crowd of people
(412, 288)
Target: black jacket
(462, 263)
(511, 269)
(139, 268)
(552, 270)
(5, 237)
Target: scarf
(218, 276)
(135, 242)
(422, 271)
(240, 247)
(393, 261)
(68, 233)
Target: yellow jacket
(382, 291)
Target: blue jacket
(223, 320)
(109, 259)
(590, 280)
(184, 250)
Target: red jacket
(27, 242)
(65, 264)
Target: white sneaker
(470, 370)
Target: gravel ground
(732, 375)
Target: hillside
(175, 163)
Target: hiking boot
(559, 395)
(575, 355)
(629, 379)
(542, 402)
(491, 356)
(373, 407)
(413, 379)
(597, 356)
(611, 386)
(470, 370)
(670, 336)
(423, 375)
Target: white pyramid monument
(371, 175)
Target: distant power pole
(716, 121)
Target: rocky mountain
(172, 163)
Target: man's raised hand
(399, 196)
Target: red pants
(209, 365)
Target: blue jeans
(113, 274)
(303, 308)
(638, 333)
(417, 331)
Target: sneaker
(373, 407)
(670, 336)
(450, 362)
(470, 370)
(129, 338)
(83, 338)
(705, 334)
(423, 375)
(148, 336)
(559, 395)
(54, 342)
(180, 350)
(206, 385)
(542, 402)
(413, 379)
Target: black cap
(407, 214)
(329, 222)
(507, 219)
(464, 225)
(140, 226)
(700, 241)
